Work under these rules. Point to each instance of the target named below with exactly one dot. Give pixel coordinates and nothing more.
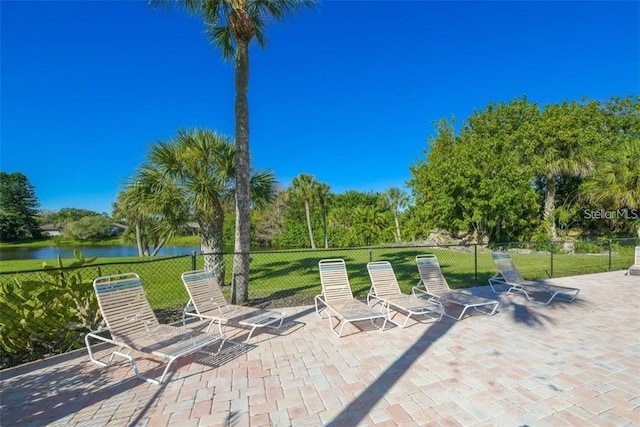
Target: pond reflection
(66, 252)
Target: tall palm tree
(323, 193)
(304, 187)
(193, 175)
(232, 25)
(396, 200)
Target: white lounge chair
(207, 302)
(635, 268)
(510, 278)
(385, 289)
(337, 299)
(434, 282)
(133, 326)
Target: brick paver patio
(563, 364)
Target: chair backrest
(334, 280)
(505, 266)
(383, 279)
(637, 261)
(124, 305)
(204, 290)
(431, 274)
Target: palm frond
(221, 36)
(262, 186)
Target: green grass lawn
(281, 278)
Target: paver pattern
(575, 364)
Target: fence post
(475, 260)
(552, 250)
(370, 254)
(193, 261)
(609, 254)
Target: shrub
(584, 247)
(88, 228)
(49, 315)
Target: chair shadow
(263, 334)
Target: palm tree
(232, 24)
(563, 150)
(192, 176)
(615, 183)
(128, 209)
(304, 187)
(396, 200)
(323, 193)
(369, 223)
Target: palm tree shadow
(527, 314)
(533, 314)
(358, 408)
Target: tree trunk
(211, 245)
(139, 239)
(240, 281)
(307, 212)
(324, 227)
(549, 206)
(395, 219)
(159, 244)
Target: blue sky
(347, 92)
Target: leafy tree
(47, 216)
(269, 222)
(18, 208)
(615, 181)
(88, 228)
(370, 223)
(232, 25)
(344, 218)
(74, 214)
(304, 187)
(480, 180)
(433, 183)
(565, 135)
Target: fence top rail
(144, 260)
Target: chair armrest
(424, 293)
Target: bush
(49, 315)
(584, 247)
(88, 228)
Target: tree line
(518, 171)
(21, 219)
(512, 172)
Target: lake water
(51, 253)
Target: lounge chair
(385, 289)
(206, 302)
(434, 282)
(337, 299)
(133, 326)
(510, 278)
(635, 268)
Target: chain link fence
(41, 312)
